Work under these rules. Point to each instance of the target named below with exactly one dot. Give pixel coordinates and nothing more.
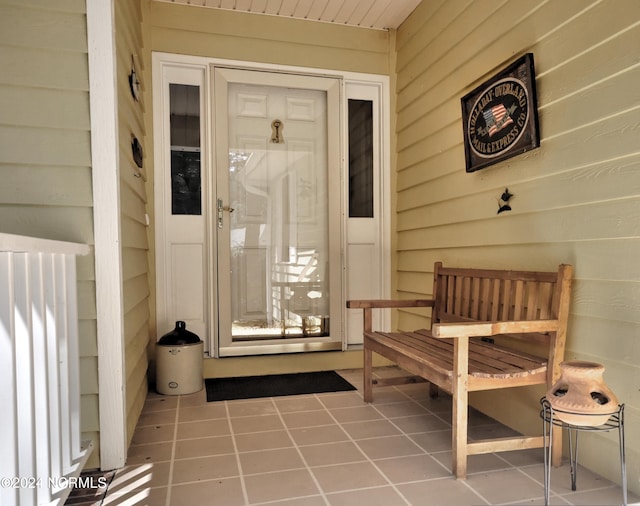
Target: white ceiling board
(377, 14)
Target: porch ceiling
(376, 14)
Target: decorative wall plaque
(500, 117)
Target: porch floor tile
(327, 449)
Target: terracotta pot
(581, 397)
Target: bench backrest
(500, 295)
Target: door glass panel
(278, 212)
(360, 158)
(184, 120)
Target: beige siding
(45, 159)
(577, 197)
(133, 198)
(268, 39)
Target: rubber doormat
(249, 387)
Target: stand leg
(573, 432)
(547, 434)
(623, 464)
(573, 455)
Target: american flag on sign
(496, 119)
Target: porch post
(106, 216)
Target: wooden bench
(501, 306)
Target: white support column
(106, 215)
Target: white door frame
(379, 82)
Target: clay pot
(581, 397)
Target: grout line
(243, 484)
(427, 410)
(367, 459)
(465, 482)
(474, 491)
(394, 418)
(173, 452)
(297, 448)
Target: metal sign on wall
(500, 117)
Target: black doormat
(249, 387)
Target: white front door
(308, 229)
(278, 212)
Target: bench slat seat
(485, 361)
(468, 304)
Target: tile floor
(328, 449)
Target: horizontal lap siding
(266, 39)
(576, 198)
(133, 209)
(45, 157)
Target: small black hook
(506, 195)
(504, 198)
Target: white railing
(41, 451)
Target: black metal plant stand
(615, 421)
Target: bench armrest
(493, 328)
(381, 303)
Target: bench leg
(460, 408)
(368, 372)
(459, 437)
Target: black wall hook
(505, 197)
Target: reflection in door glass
(186, 195)
(360, 158)
(279, 225)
